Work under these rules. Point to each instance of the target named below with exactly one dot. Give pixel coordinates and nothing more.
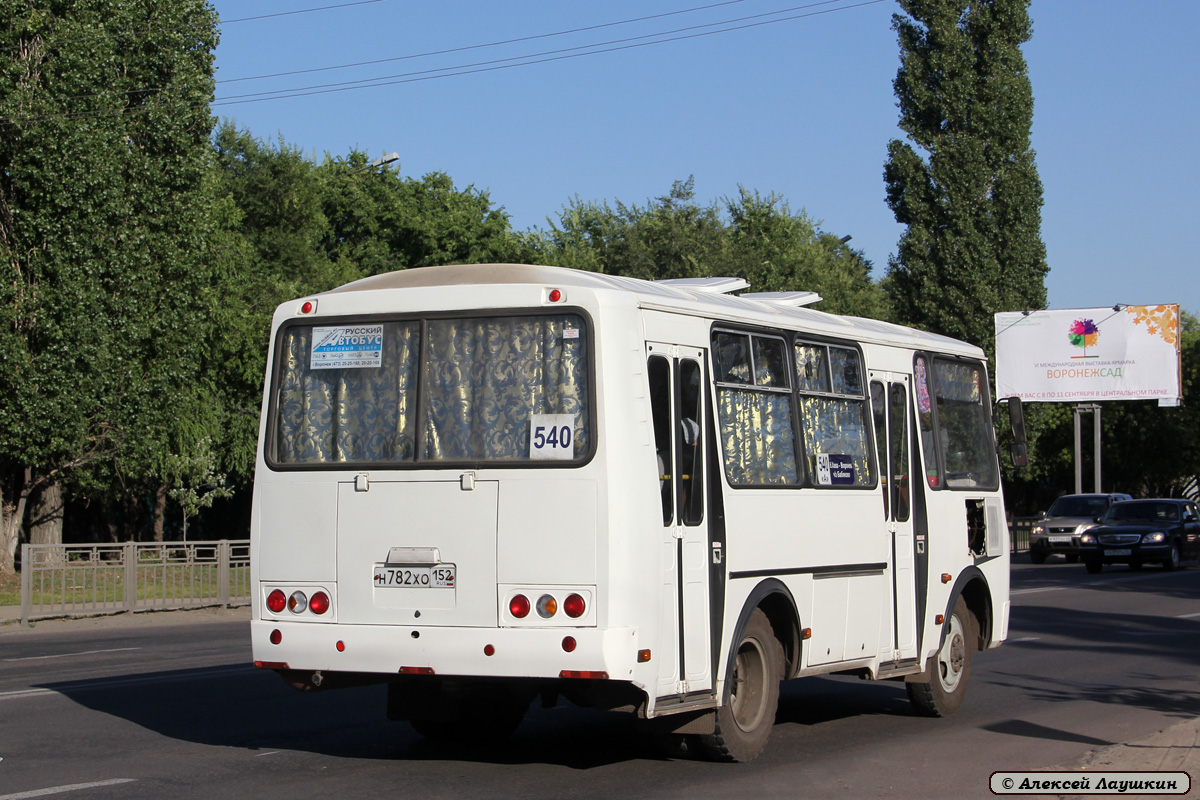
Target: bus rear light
(416, 670)
(276, 636)
(341, 646)
(574, 606)
(319, 603)
(489, 650)
(569, 644)
(555, 296)
(518, 606)
(308, 307)
(297, 602)
(277, 601)
(271, 665)
(547, 606)
(584, 674)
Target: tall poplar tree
(106, 280)
(965, 183)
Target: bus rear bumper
(610, 653)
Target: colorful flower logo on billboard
(1083, 333)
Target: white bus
(488, 484)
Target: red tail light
(574, 606)
(319, 603)
(519, 606)
(277, 601)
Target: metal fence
(1020, 528)
(66, 580)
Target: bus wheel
(745, 721)
(940, 689)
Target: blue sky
(801, 107)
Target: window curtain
(484, 378)
(757, 436)
(837, 427)
(333, 415)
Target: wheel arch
(776, 602)
(973, 587)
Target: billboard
(1089, 354)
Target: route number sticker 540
(552, 436)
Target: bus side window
(659, 371)
(691, 459)
(879, 407)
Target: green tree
(971, 199)
(751, 236)
(103, 133)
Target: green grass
(10, 589)
(105, 585)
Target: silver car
(1058, 530)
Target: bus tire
(744, 722)
(940, 689)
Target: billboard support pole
(1080, 409)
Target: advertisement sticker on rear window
(346, 347)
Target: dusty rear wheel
(745, 721)
(940, 689)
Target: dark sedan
(1138, 532)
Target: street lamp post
(379, 162)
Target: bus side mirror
(1016, 418)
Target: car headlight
(1039, 529)
(1087, 538)
(1087, 526)
(1154, 538)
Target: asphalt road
(155, 707)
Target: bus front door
(677, 398)
(889, 403)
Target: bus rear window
(483, 389)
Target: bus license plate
(400, 577)
(1124, 551)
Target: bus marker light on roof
(519, 606)
(489, 650)
(309, 307)
(574, 606)
(547, 606)
(341, 646)
(555, 296)
(276, 636)
(277, 601)
(569, 644)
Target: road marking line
(260, 755)
(1025, 639)
(74, 787)
(1188, 616)
(1127, 579)
(80, 653)
(78, 686)
(24, 693)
